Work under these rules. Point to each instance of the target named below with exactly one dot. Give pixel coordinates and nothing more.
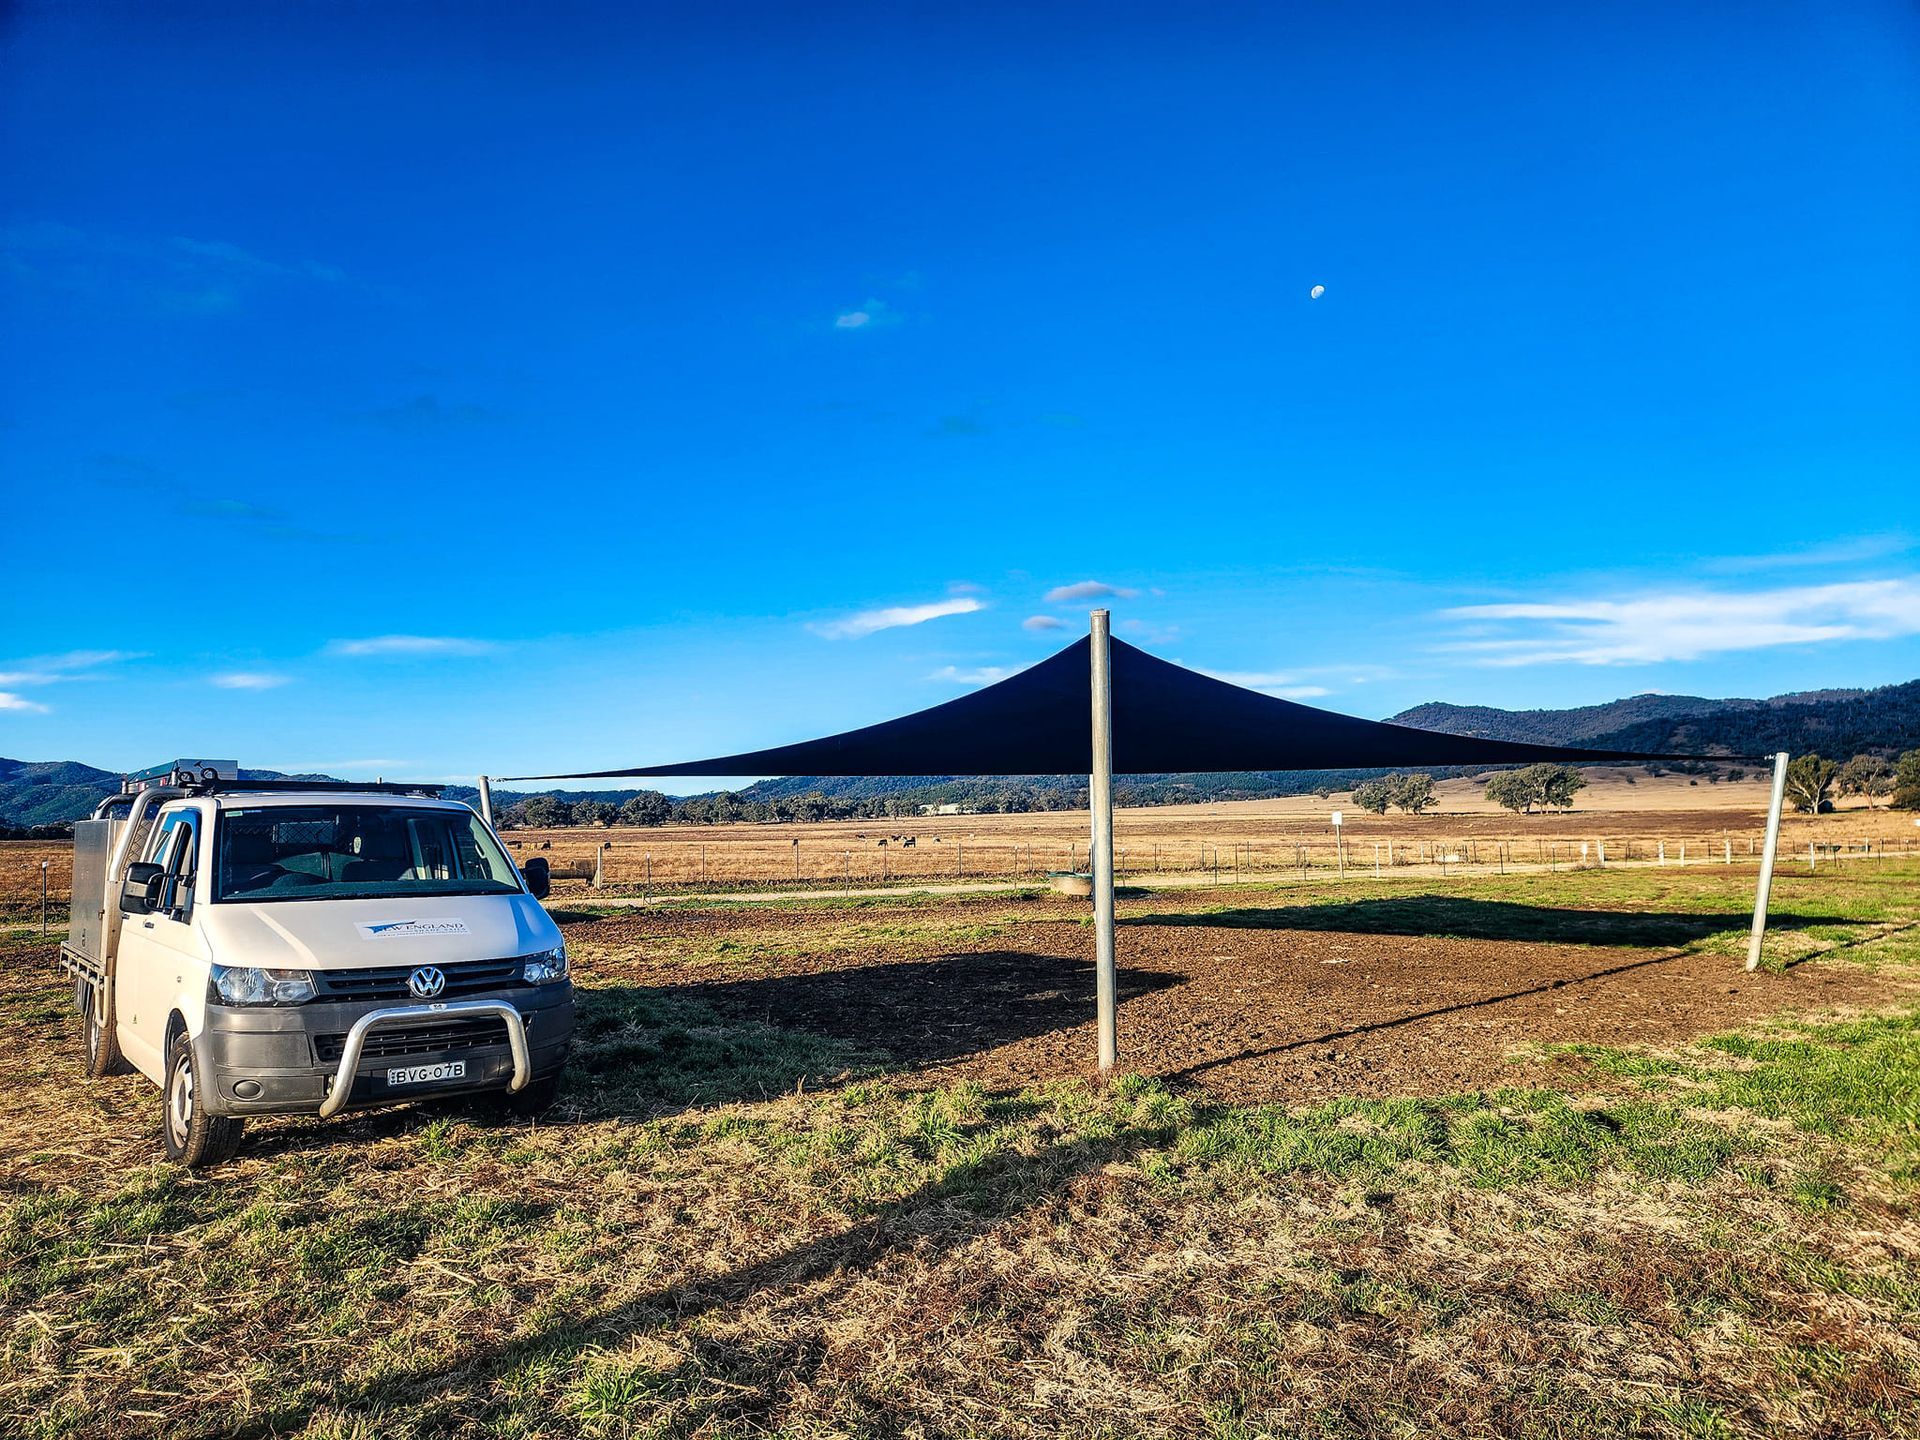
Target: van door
(160, 951)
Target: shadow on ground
(643, 1050)
(1463, 918)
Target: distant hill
(1837, 723)
(51, 792)
(58, 792)
(1578, 726)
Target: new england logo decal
(407, 929)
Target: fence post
(599, 864)
(1765, 884)
(43, 899)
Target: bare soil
(1270, 1002)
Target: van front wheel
(192, 1137)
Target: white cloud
(853, 627)
(1856, 551)
(1089, 590)
(51, 669)
(1042, 622)
(869, 315)
(1152, 634)
(979, 675)
(410, 645)
(180, 273)
(1279, 684)
(1686, 624)
(246, 680)
(54, 670)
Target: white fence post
(1765, 885)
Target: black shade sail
(1166, 719)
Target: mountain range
(1836, 723)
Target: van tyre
(99, 1039)
(192, 1137)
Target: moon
(1316, 292)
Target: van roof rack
(220, 786)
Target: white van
(266, 948)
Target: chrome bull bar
(342, 1085)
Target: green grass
(737, 1228)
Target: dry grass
(1253, 837)
(1233, 840)
(1711, 1240)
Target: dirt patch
(1279, 1003)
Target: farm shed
(1100, 707)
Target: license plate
(427, 1074)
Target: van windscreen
(356, 852)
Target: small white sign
(1338, 817)
(410, 929)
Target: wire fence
(36, 877)
(664, 865)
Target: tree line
(650, 807)
(1813, 784)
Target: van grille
(389, 982)
(391, 1041)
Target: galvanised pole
(1100, 798)
(1767, 853)
(486, 801)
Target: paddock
(1251, 994)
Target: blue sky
(429, 390)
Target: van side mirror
(538, 876)
(140, 892)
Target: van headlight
(252, 985)
(549, 967)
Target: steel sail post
(1100, 799)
